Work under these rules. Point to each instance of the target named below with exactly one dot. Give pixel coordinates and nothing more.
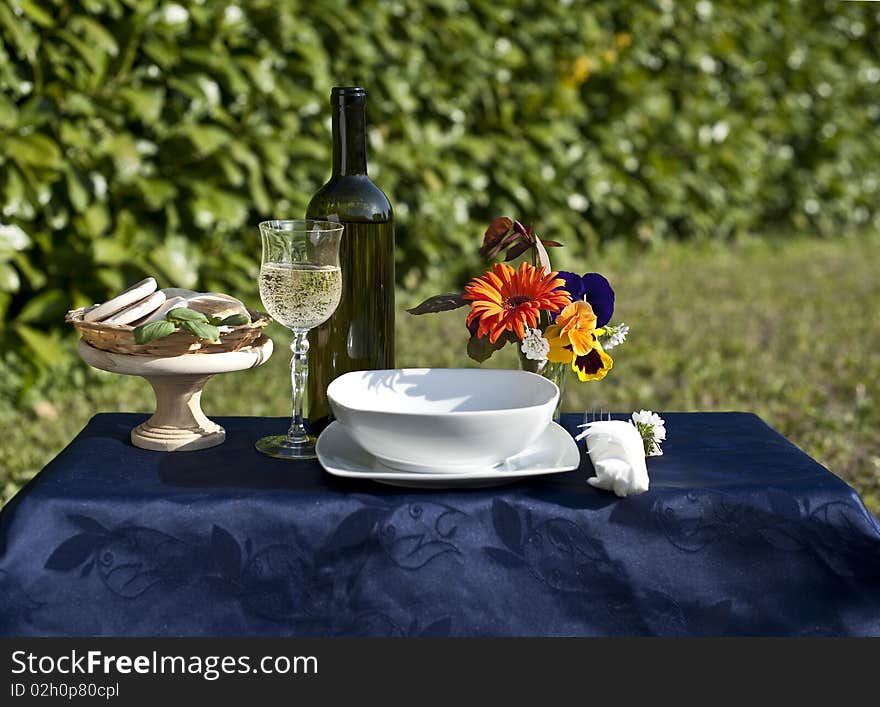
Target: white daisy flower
(535, 346)
(652, 427)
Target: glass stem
(299, 374)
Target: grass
(787, 330)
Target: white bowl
(443, 419)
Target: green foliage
(141, 137)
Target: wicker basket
(119, 338)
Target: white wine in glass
(300, 295)
(300, 286)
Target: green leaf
(8, 113)
(236, 320)
(440, 303)
(215, 206)
(76, 189)
(153, 330)
(90, 53)
(203, 331)
(122, 149)
(18, 197)
(145, 104)
(13, 239)
(43, 346)
(206, 138)
(111, 278)
(21, 33)
(183, 314)
(37, 111)
(109, 251)
(35, 275)
(36, 150)
(481, 349)
(178, 260)
(35, 13)
(9, 279)
(156, 192)
(94, 221)
(5, 299)
(262, 202)
(95, 34)
(45, 307)
(163, 52)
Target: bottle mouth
(348, 95)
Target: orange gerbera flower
(504, 299)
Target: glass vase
(555, 372)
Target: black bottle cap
(348, 95)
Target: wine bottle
(360, 334)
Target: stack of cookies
(110, 326)
(144, 302)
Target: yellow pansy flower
(574, 340)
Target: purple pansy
(593, 288)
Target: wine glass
(300, 286)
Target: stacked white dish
(444, 427)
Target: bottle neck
(349, 140)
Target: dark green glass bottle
(360, 334)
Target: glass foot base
(280, 447)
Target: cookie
(132, 295)
(216, 304)
(160, 313)
(138, 310)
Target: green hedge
(143, 137)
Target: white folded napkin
(618, 455)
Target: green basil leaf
(182, 314)
(236, 320)
(153, 330)
(202, 330)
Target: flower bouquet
(557, 319)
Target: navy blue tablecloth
(740, 534)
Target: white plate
(555, 451)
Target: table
(740, 534)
